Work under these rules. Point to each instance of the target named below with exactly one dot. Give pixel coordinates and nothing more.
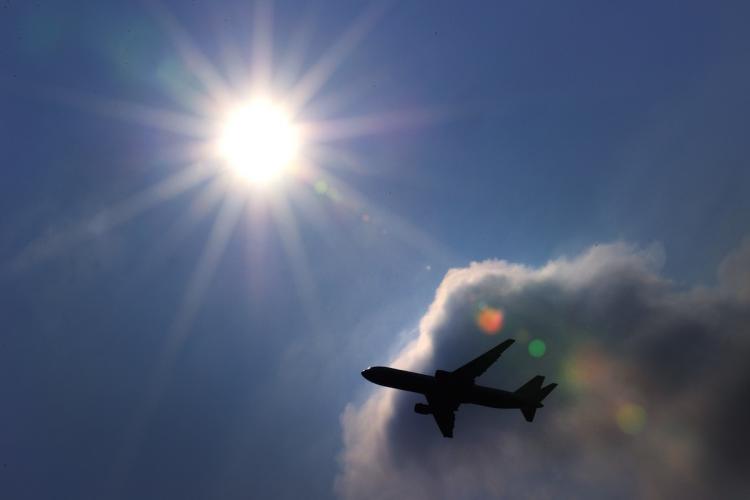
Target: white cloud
(652, 398)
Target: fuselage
(446, 387)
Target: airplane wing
(444, 415)
(478, 366)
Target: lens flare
(584, 368)
(537, 348)
(630, 418)
(522, 335)
(489, 320)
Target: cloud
(734, 272)
(653, 398)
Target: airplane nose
(366, 373)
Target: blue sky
(523, 132)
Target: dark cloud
(653, 397)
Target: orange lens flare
(490, 320)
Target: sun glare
(259, 142)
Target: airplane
(446, 391)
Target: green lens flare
(537, 348)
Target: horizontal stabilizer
(545, 391)
(532, 393)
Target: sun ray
(176, 334)
(256, 232)
(163, 119)
(159, 118)
(209, 260)
(395, 225)
(186, 153)
(209, 198)
(164, 190)
(330, 102)
(182, 88)
(262, 44)
(346, 128)
(55, 242)
(197, 63)
(315, 78)
(286, 226)
(233, 57)
(291, 64)
(313, 209)
(335, 158)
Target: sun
(258, 141)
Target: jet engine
(422, 409)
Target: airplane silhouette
(446, 391)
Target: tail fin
(530, 389)
(532, 393)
